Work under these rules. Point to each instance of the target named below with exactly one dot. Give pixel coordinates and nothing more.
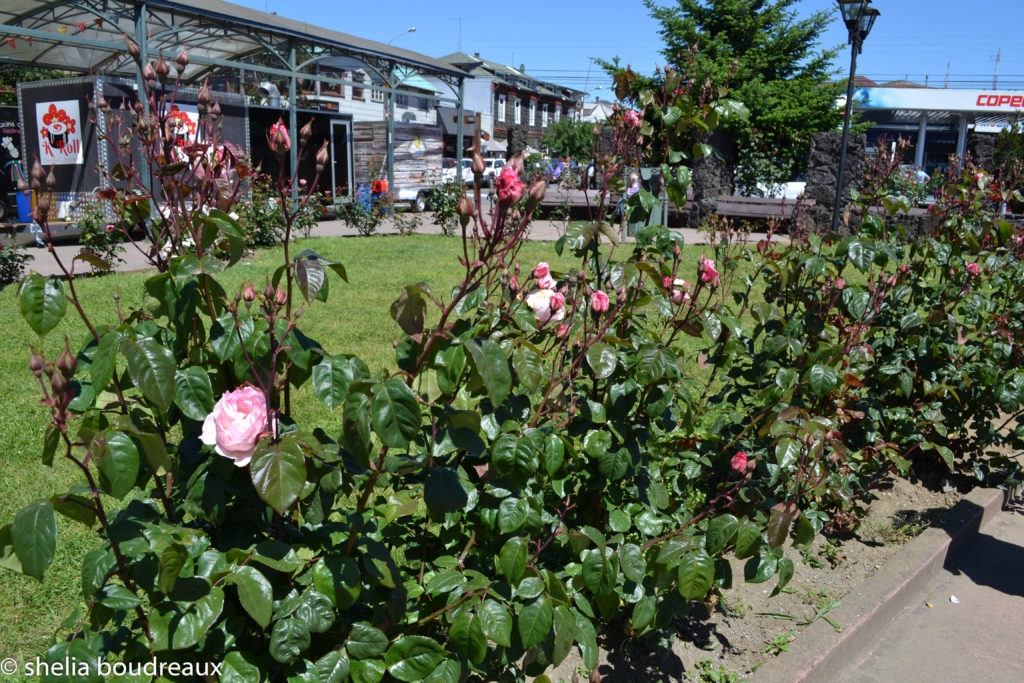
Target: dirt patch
(748, 626)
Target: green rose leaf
(632, 562)
(515, 455)
(535, 621)
(394, 413)
(761, 568)
(409, 311)
(511, 514)
(118, 464)
(491, 364)
(152, 368)
(43, 303)
(787, 452)
(748, 539)
(602, 360)
(365, 641)
(339, 579)
(172, 561)
(254, 592)
(822, 378)
(333, 667)
(101, 370)
(332, 377)
(721, 531)
(496, 622)
(193, 393)
(34, 537)
(240, 667)
(786, 571)
(696, 574)
(278, 471)
(367, 670)
(442, 491)
(413, 658)
(288, 640)
(512, 559)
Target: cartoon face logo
(180, 127)
(57, 126)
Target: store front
(935, 121)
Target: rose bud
(739, 462)
(249, 294)
(599, 301)
(322, 157)
(35, 364)
(23, 186)
(215, 109)
(149, 74)
(536, 195)
(478, 165)
(162, 69)
(281, 297)
(268, 292)
(133, 50)
(66, 362)
(306, 131)
(204, 97)
(58, 383)
(182, 60)
(466, 210)
(556, 302)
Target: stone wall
(982, 147)
(711, 177)
(518, 139)
(823, 174)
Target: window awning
(407, 78)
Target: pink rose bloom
(681, 292)
(973, 269)
(707, 272)
(599, 301)
(666, 282)
(557, 301)
(278, 138)
(739, 461)
(236, 424)
(546, 282)
(562, 330)
(509, 187)
(892, 280)
(632, 118)
(840, 283)
(1020, 239)
(542, 270)
(547, 305)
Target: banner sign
(60, 132)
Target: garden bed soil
(747, 626)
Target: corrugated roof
(88, 36)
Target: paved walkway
(45, 264)
(978, 637)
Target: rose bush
(548, 463)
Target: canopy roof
(90, 36)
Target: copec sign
(939, 99)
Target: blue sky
(554, 40)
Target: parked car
(492, 167)
(449, 173)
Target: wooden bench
(759, 207)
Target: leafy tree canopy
(770, 61)
(569, 138)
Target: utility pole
(995, 78)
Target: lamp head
(859, 17)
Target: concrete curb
(820, 654)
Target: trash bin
(25, 207)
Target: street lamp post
(859, 16)
(411, 29)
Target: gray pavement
(966, 625)
(901, 624)
(45, 264)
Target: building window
(501, 107)
(401, 100)
(533, 113)
(544, 115)
(377, 95)
(357, 92)
(519, 111)
(424, 103)
(558, 112)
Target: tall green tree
(771, 61)
(570, 138)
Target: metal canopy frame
(90, 36)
